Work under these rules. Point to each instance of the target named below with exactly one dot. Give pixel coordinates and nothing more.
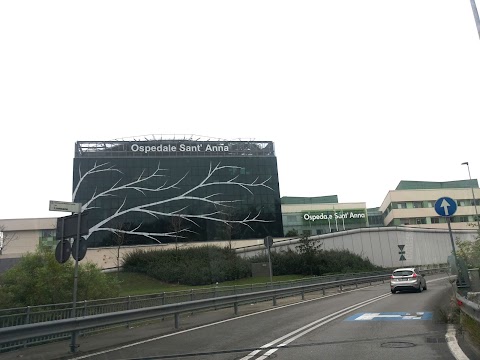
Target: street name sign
(65, 206)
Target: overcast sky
(356, 95)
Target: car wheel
(420, 288)
(393, 291)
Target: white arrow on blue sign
(445, 206)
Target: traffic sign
(268, 242)
(65, 206)
(445, 206)
(63, 251)
(402, 252)
(67, 226)
(82, 249)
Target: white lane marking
(312, 326)
(213, 324)
(270, 344)
(219, 322)
(371, 316)
(264, 356)
(453, 344)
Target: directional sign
(65, 206)
(391, 316)
(402, 252)
(445, 206)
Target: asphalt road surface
(363, 324)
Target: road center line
(218, 322)
(314, 325)
(310, 327)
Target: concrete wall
(106, 257)
(381, 245)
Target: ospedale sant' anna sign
(175, 147)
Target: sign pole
(270, 266)
(453, 243)
(73, 345)
(268, 242)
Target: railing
(469, 307)
(54, 327)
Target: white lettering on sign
(336, 216)
(216, 148)
(184, 147)
(181, 147)
(160, 148)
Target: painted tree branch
(149, 208)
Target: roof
(329, 199)
(421, 185)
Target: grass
(140, 284)
(472, 327)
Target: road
(364, 324)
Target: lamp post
(473, 195)
(476, 17)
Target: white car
(405, 279)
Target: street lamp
(476, 17)
(473, 195)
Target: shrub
(193, 266)
(38, 279)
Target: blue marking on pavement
(391, 316)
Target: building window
(435, 220)
(428, 204)
(401, 205)
(461, 202)
(417, 204)
(48, 233)
(420, 221)
(291, 219)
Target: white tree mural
(189, 221)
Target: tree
(119, 241)
(177, 228)
(202, 194)
(6, 238)
(469, 251)
(38, 279)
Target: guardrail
(25, 332)
(42, 313)
(468, 307)
(28, 334)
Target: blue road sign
(445, 206)
(390, 316)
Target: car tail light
(414, 275)
(391, 276)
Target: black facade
(167, 191)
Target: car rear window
(402, 273)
